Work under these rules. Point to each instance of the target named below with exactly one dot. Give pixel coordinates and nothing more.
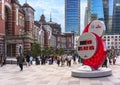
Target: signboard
(90, 45)
(87, 45)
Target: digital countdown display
(87, 45)
(85, 42)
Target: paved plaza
(10, 74)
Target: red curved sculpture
(99, 56)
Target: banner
(3, 8)
(40, 30)
(49, 34)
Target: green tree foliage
(35, 50)
(48, 50)
(61, 51)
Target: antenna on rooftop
(50, 16)
(26, 1)
(42, 11)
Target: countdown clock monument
(92, 49)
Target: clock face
(87, 45)
(97, 27)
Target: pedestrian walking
(74, 59)
(105, 63)
(1, 60)
(58, 60)
(31, 59)
(69, 60)
(28, 60)
(20, 62)
(79, 59)
(114, 60)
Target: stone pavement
(53, 75)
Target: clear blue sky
(56, 7)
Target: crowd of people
(51, 59)
(110, 58)
(60, 60)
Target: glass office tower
(72, 16)
(99, 10)
(108, 11)
(116, 17)
(96, 10)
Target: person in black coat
(105, 63)
(28, 60)
(20, 62)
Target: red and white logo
(97, 27)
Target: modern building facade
(99, 11)
(112, 41)
(72, 16)
(96, 9)
(109, 12)
(86, 21)
(116, 17)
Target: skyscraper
(108, 11)
(86, 21)
(72, 16)
(99, 11)
(116, 17)
(96, 9)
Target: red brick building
(18, 30)
(63, 40)
(16, 25)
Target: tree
(61, 51)
(36, 49)
(49, 50)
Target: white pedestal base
(86, 72)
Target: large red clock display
(98, 58)
(97, 52)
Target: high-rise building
(116, 17)
(72, 16)
(108, 11)
(86, 21)
(106, 14)
(96, 9)
(99, 10)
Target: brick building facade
(16, 25)
(18, 30)
(60, 40)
